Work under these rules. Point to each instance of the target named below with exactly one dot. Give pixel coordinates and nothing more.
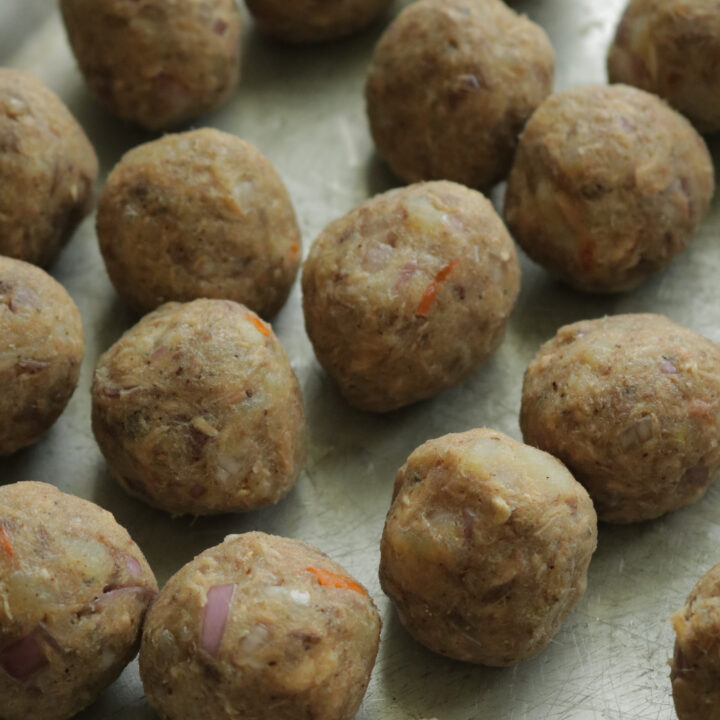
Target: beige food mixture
(309, 21)
(486, 547)
(608, 185)
(157, 63)
(695, 667)
(451, 85)
(74, 589)
(260, 627)
(197, 410)
(672, 48)
(198, 214)
(47, 170)
(631, 405)
(41, 349)
(407, 294)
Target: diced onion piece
(668, 368)
(28, 366)
(468, 524)
(159, 352)
(24, 297)
(300, 597)
(142, 593)
(23, 658)
(377, 256)
(406, 273)
(697, 475)
(255, 639)
(133, 566)
(215, 616)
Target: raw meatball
(198, 214)
(631, 405)
(47, 170)
(41, 349)
(307, 21)
(609, 184)
(407, 294)
(696, 665)
(450, 87)
(260, 627)
(672, 48)
(486, 547)
(74, 589)
(197, 410)
(157, 63)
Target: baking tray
(304, 109)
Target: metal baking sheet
(304, 108)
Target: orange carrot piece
(431, 291)
(331, 579)
(294, 251)
(703, 411)
(259, 324)
(5, 542)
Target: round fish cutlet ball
(47, 170)
(486, 547)
(41, 350)
(695, 666)
(157, 63)
(407, 294)
(260, 627)
(631, 405)
(451, 85)
(310, 21)
(609, 184)
(197, 410)
(74, 589)
(198, 214)
(671, 48)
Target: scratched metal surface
(304, 109)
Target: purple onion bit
(215, 616)
(406, 273)
(626, 124)
(698, 475)
(28, 366)
(142, 593)
(24, 657)
(468, 525)
(24, 297)
(133, 567)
